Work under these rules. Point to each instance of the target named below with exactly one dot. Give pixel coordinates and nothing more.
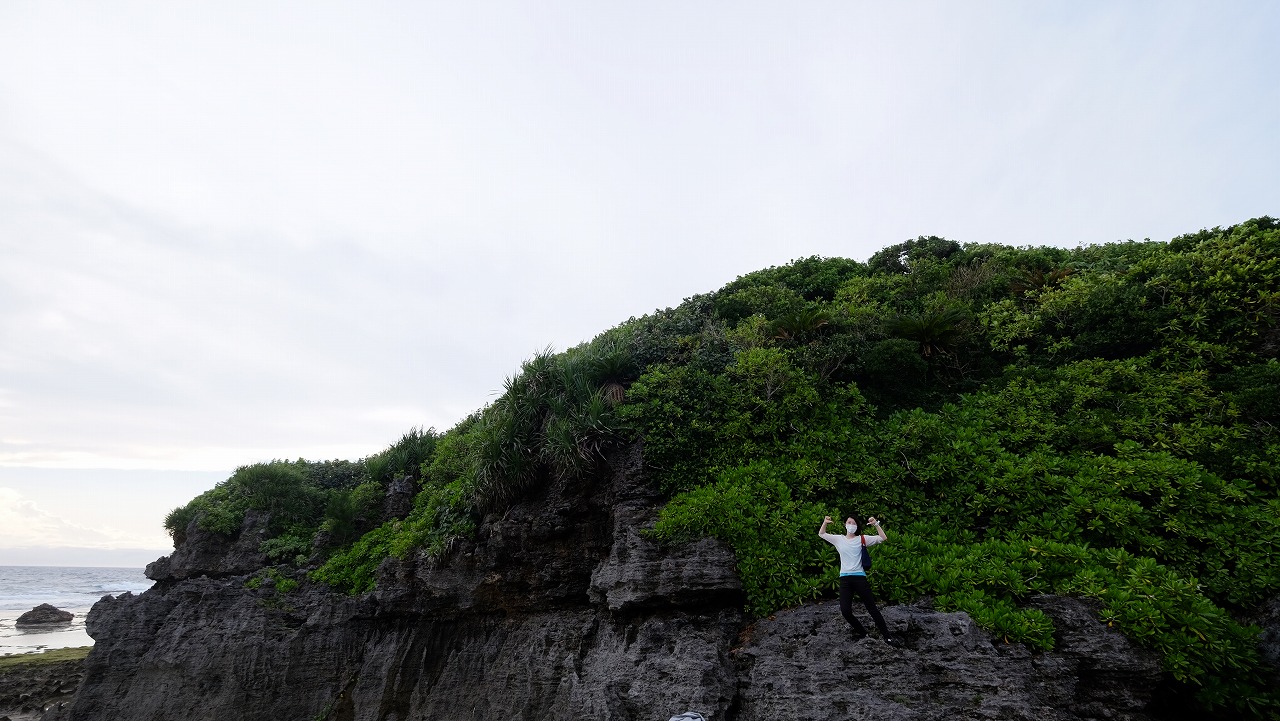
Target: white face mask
(850, 528)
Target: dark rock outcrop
(561, 608)
(801, 664)
(44, 615)
(399, 499)
(206, 553)
(1268, 619)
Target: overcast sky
(239, 231)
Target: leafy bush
(278, 488)
(1114, 459)
(335, 473)
(349, 513)
(673, 334)
(771, 301)
(1097, 421)
(274, 578)
(289, 547)
(354, 569)
(177, 521)
(752, 508)
(906, 256)
(442, 513)
(812, 279)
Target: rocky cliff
(562, 608)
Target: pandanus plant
(557, 415)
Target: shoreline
(33, 683)
(49, 655)
(36, 639)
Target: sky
(238, 231)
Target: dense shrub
(404, 457)
(279, 488)
(904, 257)
(556, 418)
(1126, 454)
(299, 498)
(814, 278)
(442, 513)
(350, 512)
(1098, 421)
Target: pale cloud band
(296, 229)
(25, 524)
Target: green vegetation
(273, 578)
(342, 499)
(58, 655)
(556, 419)
(1098, 421)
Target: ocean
(70, 589)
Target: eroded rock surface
(564, 608)
(26, 690)
(1268, 619)
(44, 615)
(801, 664)
(206, 553)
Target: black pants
(850, 585)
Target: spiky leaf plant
(936, 329)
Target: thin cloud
(24, 524)
(287, 230)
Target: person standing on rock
(853, 579)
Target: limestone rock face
(44, 615)
(563, 608)
(802, 664)
(205, 553)
(399, 500)
(1268, 619)
(638, 574)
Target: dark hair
(856, 519)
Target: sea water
(22, 588)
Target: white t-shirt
(850, 552)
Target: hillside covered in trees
(1097, 422)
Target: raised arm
(823, 528)
(879, 529)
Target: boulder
(44, 615)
